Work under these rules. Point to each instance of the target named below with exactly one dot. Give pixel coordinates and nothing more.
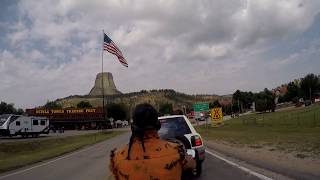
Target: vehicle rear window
(173, 127)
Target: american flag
(112, 48)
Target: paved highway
(92, 163)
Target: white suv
(179, 127)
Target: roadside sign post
(197, 116)
(216, 117)
(198, 108)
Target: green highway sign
(199, 107)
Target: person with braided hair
(147, 156)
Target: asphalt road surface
(92, 163)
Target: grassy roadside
(18, 154)
(296, 130)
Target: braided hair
(145, 117)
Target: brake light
(196, 140)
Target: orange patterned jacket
(161, 160)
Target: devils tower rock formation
(109, 86)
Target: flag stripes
(112, 48)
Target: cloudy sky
(52, 49)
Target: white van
(13, 125)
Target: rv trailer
(13, 125)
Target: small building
(72, 118)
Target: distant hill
(104, 83)
(154, 97)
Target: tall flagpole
(103, 109)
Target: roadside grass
(17, 154)
(295, 130)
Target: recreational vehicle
(13, 125)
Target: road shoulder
(23, 153)
(272, 163)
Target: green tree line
(307, 88)
(6, 108)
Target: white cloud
(210, 52)
(205, 46)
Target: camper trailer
(13, 125)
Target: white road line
(46, 163)
(261, 176)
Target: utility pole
(103, 109)
(310, 94)
(231, 108)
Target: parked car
(125, 123)
(118, 123)
(307, 102)
(179, 127)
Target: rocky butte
(154, 97)
(108, 84)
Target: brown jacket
(161, 160)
